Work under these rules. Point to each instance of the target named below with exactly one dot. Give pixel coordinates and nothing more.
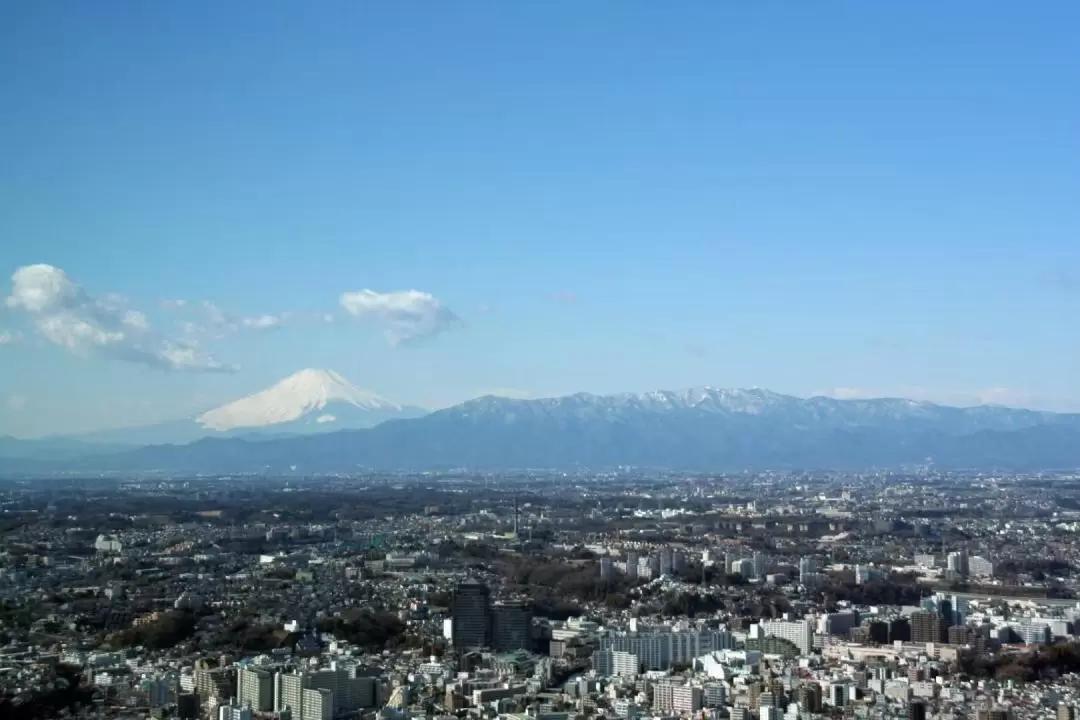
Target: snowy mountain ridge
(307, 392)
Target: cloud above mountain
(66, 315)
(406, 316)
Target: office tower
(255, 688)
(899, 629)
(809, 697)
(957, 562)
(945, 611)
(511, 626)
(632, 565)
(928, 627)
(916, 710)
(761, 562)
(471, 615)
(807, 568)
(187, 706)
(605, 568)
(665, 561)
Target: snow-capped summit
(313, 397)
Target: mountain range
(283, 428)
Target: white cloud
(206, 319)
(17, 402)
(69, 317)
(135, 320)
(7, 337)
(262, 322)
(407, 315)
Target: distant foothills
(315, 421)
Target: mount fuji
(307, 402)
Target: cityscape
(557, 596)
(519, 360)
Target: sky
(443, 200)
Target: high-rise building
(310, 695)
(671, 696)
(665, 561)
(255, 688)
(511, 626)
(605, 567)
(957, 562)
(761, 564)
(231, 711)
(807, 568)
(471, 615)
(928, 627)
(187, 706)
(980, 566)
(217, 683)
(632, 565)
(916, 710)
(660, 649)
(318, 704)
(798, 632)
(809, 697)
(899, 629)
(615, 663)
(1033, 633)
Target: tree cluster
(373, 630)
(1044, 663)
(166, 632)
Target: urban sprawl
(541, 596)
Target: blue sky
(853, 198)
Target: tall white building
(659, 649)
(761, 563)
(980, 566)
(798, 632)
(674, 697)
(318, 704)
(231, 711)
(615, 663)
(925, 560)
(807, 567)
(957, 562)
(309, 695)
(255, 688)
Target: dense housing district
(537, 596)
